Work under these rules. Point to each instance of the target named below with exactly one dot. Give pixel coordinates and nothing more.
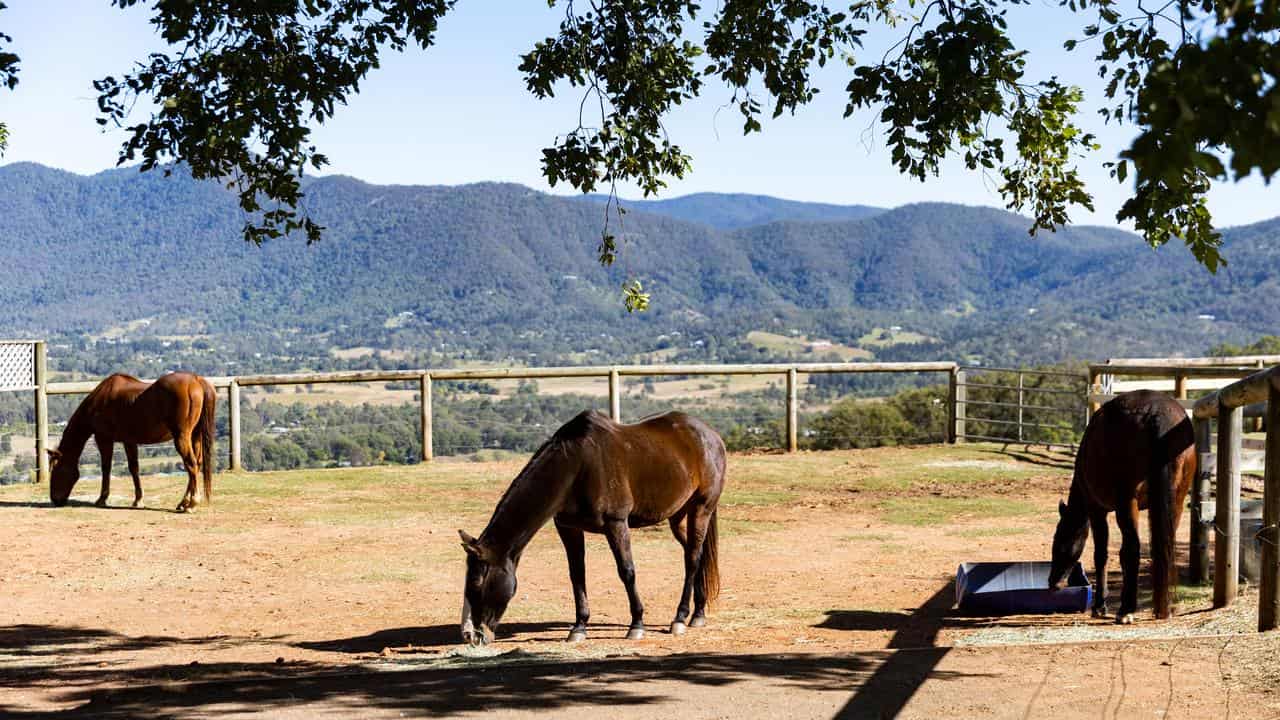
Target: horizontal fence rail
(425, 378)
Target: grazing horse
(1138, 452)
(596, 475)
(178, 406)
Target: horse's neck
(533, 498)
(1077, 504)
(76, 434)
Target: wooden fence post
(1226, 518)
(615, 395)
(424, 406)
(793, 414)
(1180, 385)
(959, 396)
(1095, 378)
(42, 412)
(1269, 589)
(233, 423)
(1199, 560)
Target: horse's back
(652, 468)
(1126, 438)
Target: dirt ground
(335, 593)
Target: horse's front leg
(1098, 522)
(619, 536)
(468, 627)
(104, 450)
(131, 453)
(576, 552)
(1130, 557)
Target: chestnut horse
(179, 406)
(596, 475)
(1138, 452)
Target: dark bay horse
(1138, 453)
(596, 475)
(179, 406)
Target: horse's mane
(524, 492)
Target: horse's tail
(710, 565)
(208, 412)
(1160, 513)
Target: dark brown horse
(179, 406)
(596, 475)
(1138, 453)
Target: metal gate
(1018, 405)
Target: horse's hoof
(182, 507)
(1124, 619)
(635, 633)
(1100, 612)
(100, 502)
(698, 621)
(677, 628)
(137, 504)
(468, 637)
(577, 636)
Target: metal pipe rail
(1227, 407)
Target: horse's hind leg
(575, 550)
(1130, 557)
(676, 528)
(619, 536)
(182, 441)
(131, 453)
(693, 540)
(1098, 521)
(104, 449)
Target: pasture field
(335, 593)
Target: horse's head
(62, 477)
(491, 583)
(1068, 544)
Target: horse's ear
(470, 544)
(1062, 509)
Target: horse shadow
(436, 636)
(79, 503)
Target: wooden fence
(613, 373)
(1227, 407)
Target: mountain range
(499, 269)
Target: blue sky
(458, 113)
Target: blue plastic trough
(1018, 588)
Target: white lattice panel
(17, 366)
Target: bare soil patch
(336, 593)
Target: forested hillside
(499, 271)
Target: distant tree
(856, 424)
(244, 83)
(1265, 345)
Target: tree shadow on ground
(526, 681)
(528, 686)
